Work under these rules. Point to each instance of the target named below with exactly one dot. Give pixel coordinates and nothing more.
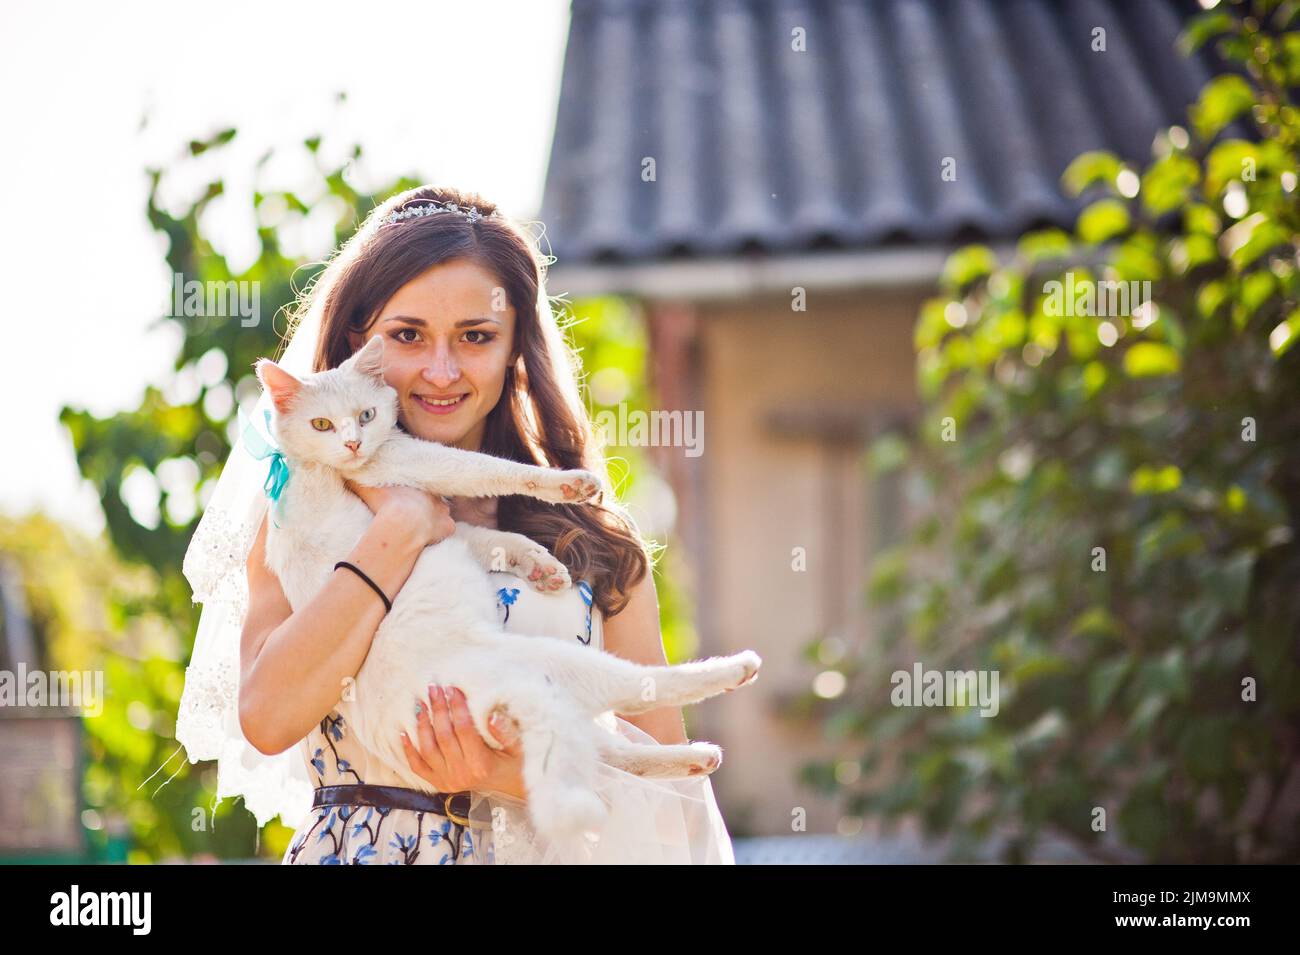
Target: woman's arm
(293, 664)
(633, 634)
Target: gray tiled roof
(760, 147)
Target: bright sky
(456, 92)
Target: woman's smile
(439, 406)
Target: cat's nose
(352, 445)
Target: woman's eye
(322, 424)
(415, 336)
(367, 415)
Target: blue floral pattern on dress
(584, 588)
(366, 835)
(370, 835)
(506, 597)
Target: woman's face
(448, 333)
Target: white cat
(443, 625)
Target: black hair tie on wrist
(388, 604)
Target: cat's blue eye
(322, 424)
(367, 416)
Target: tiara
(434, 207)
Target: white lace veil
(651, 821)
(207, 724)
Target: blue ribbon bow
(277, 475)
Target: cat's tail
(560, 774)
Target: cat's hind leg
(601, 681)
(669, 761)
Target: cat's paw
(537, 565)
(709, 758)
(580, 486)
(746, 665)
(564, 487)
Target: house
(777, 184)
(41, 741)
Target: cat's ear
(369, 359)
(283, 386)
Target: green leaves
(1044, 245)
(1167, 183)
(1148, 359)
(1284, 335)
(1257, 237)
(967, 265)
(1227, 162)
(1228, 581)
(1104, 683)
(1103, 220)
(1204, 27)
(1156, 480)
(1091, 168)
(198, 147)
(1223, 100)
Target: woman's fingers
(451, 754)
(440, 716)
(475, 752)
(503, 729)
(429, 749)
(417, 762)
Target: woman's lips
(438, 409)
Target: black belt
(455, 806)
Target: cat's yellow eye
(322, 424)
(367, 416)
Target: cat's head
(337, 417)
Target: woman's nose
(442, 370)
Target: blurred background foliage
(1168, 437)
(127, 608)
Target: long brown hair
(540, 418)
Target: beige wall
(765, 494)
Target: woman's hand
(452, 755)
(424, 515)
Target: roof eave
(732, 277)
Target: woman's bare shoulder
(261, 578)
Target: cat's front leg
(440, 469)
(514, 553)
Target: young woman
(474, 353)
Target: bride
(478, 361)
